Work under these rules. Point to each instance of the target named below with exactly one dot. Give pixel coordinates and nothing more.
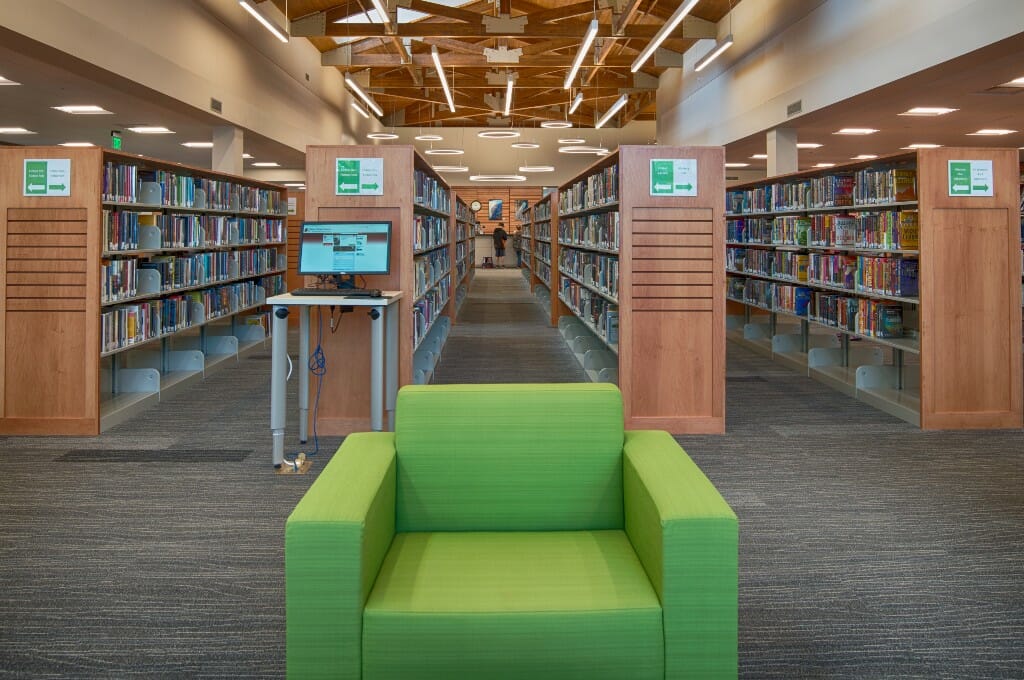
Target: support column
(782, 151)
(227, 150)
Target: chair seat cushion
(573, 604)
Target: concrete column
(782, 151)
(227, 149)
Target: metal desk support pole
(278, 390)
(377, 369)
(303, 370)
(391, 370)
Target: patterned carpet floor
(868, 549)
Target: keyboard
(335, 292)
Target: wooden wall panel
(293, 225)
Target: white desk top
(388, 297)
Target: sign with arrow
(359, 177)
(970, 178)
(47, 177)
(673, 177)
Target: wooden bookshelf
(93, 325)
(954, 361)
(544, 244)
(296, 216)
(463, 253)
(668, 255)
(344, 398)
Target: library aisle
(503, 336)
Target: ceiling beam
(443, 11)
(456, 45)
(562, 12)
(423, 29)
(468, 61)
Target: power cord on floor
(318, 367)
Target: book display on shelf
(464, 253)
(148, 275)
(636, 281)
(879, 251)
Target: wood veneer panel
(672, 292)
(47, 240)
(681, 227)
(673, 253)
(45, 291)
(673, 304)
(47, 265)
(45, 215)
(673, 240)
(673, 214)
(671, 278)
(45, 351)
(640, 264)
(26, 278)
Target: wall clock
(474, 206)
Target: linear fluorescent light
(721, 46)
(808, 145)
(198, 145)
(990, 132)
(927, 111)
(15, 131)
(864, 157)
(440, 74)
(5, 81)
(362, 112)
(588, 40)
(266, 164)
(508, 94)
(382, 11)
(576, 103)
(247, 156)
(151, 130)
(855, 131)
(77, 145)
(673, 21)
(1019, 82)
(82, 109)
(824, 165)
(760, 156)
(267, 23)
(921, 146)
(736, 165)
(619, 103)
(295, 184)
(354, 86)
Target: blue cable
(318, 367)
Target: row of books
(863, 187)
(885, 230)
(594, 269)
(543, 251)
(426, 310)
(598, 230)
(462, 212)
(592, 308)
(543, 231)
(543, 272)
(460, 269)
(462, 231)
(428, 231)
(428, 269)
(123, 183)
(121, 230)
(461, 250)
(542, 211)
(594, 191)
(430, 192)
(527, 231)
(896, 276)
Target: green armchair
(511, 531)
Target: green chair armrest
(335, 541)
(685, 535)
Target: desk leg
(303, 369)
(377, 370)
(278, 373)
(391, 370)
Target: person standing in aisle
(500, 236)
(517, 244)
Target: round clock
(474, 206)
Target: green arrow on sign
(370, 186)
(983, 187)
(684, 186)
(57, 187)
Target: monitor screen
(327, 248)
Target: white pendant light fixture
(440, 74)
(619, 103)
(497, 178)
(558, 124)
(576, 103)
(584, 150)
(381, 10)
(670, 25)
(526, 145)
(444, 152)
(268, 23)
(382, 135)
(508, 94)
(354, 86)
(536, 168)
(572, 140)
(721, 46)
(588, 40)
(498, 134)
(429, 138)
(451, 168)
(360, 110)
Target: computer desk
(386, 323)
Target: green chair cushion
(509, 458)
(512, 605)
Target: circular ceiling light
(444, 152)
(451, 168)
(429, 138)
(572, 140)
(537, 168)
(497, 178)
(595, 150)
(556, 124)
(498, 134)
(382, 135)
(526, 145)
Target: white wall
(820, 52)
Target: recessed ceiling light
(927, 111)
(247, 156)
(536, 168)
(497, 178)
(444, 152)
(198, 145)
(526, 145)
(498, 134)
(82, 109)
(808, 145)
(382, 135)
(429, 138)
(15, 131)
(81, 145)
(991, 132)
(151, 130)
(855, 131)
(864, 157)
(451, 168)
(266, 164)
(572, 140)
(1019, 82)
(921, 146)
(295, 184)
(736, 165)
(556, 124)
(5, 81)
(824, 165)
(760, 156)
(582, 149)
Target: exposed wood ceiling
(478, 44)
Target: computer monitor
(343, 248)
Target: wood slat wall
(293, 226)
(509, 195)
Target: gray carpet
(868, 549)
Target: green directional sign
(970, 178)
(359, 177)
(673, 177)
(47, 177)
